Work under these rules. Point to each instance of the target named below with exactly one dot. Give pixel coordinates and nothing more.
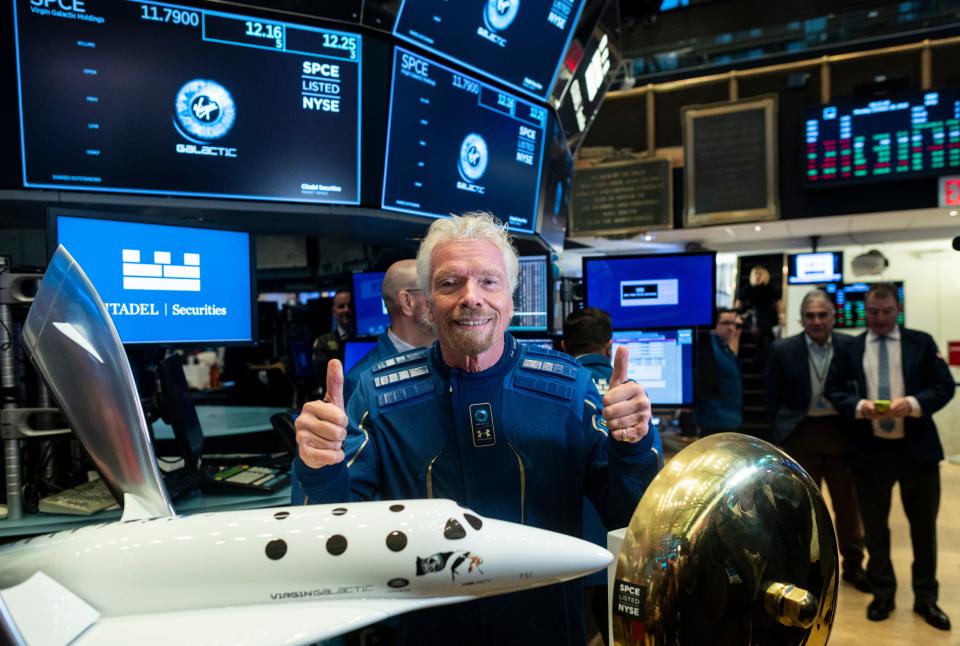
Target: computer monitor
(849, 299)
(369, 310)
(662, 362)
(517, 43)
(820, 267)
(456, 144)
(531, 299)
(164, 284)
(353, 351)
(652, 291)
(545, 342)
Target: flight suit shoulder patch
(402, 385)
(401, 360)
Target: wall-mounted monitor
(531, 300)
(369, 310)
(653, 291)
(849, 299)
(881, 140)
(353, 351)
(155, 98)
(162, 284)
(662, 362)
(514, 42)
(456, 144)
(818, 267)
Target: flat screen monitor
(661, 290)
(662, 362)
(819, 267)
(456, 144)
(531, 300)
(517, 43)
(157, 98)
(353, 351)
(849, 299)
(883, 139)
(369, 310)
(165, 284)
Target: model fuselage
(390, 550)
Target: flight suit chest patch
(481, 425)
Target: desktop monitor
(164, 284)
(849, 299)
(820, 267)
(369, 310)
(353, 351)
(652, 291)
(517, 43)
(456, 144)
(662, 362)
(163, 99)
(531, 299)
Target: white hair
(817, 295)
(474, 225)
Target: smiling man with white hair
(513, 431)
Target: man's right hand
(322, 425)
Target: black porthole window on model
(276, 549)
(396, 507)
(396, 541)
(339, 511)
(454, 530)
(337, 545)
(475, 522)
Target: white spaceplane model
(290, 575)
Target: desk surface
(39, 523)
(225, 420)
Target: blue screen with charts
(369, 310)
(662, 362)
(166, 284)
(516, 42)
(661, 290)
(155, 98)
(456, 144)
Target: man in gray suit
(807, 426)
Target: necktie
(883, 379)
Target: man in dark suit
(891, 380)
(807, 426)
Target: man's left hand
(626, 407)
(899, 407)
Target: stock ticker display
(148, 97)
(517, 43)
(456, 144)
(849, 301)
(884, 139)
(532, 296)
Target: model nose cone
(550, 556)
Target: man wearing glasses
(719, 408)
(807, 426)
(409, 325)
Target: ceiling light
(953, 214)
(648, 237)
(757, 227)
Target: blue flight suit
(522, 441)
(381, 351)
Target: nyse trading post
(148, 97)
(518, 43)
(165, 284)
(456, 144)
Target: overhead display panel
(518, 43)
(456, 144)
(884, 139)
(149, 97)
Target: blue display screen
(166, 284)
(353, 351)
(517, 43)
(531, 299)
(663, 290)
(662, 362)
(455, 144)
(369, 309)
(149, 97)
(819, 267)
(850, 303)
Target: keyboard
(84, 499)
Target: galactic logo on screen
(473, 162)
(500, 14)
(205, 112)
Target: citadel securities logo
(204, 112)
(161, 274)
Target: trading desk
(228, 423)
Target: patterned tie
(883, 385)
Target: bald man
(409, 324)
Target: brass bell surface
(731, 544)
